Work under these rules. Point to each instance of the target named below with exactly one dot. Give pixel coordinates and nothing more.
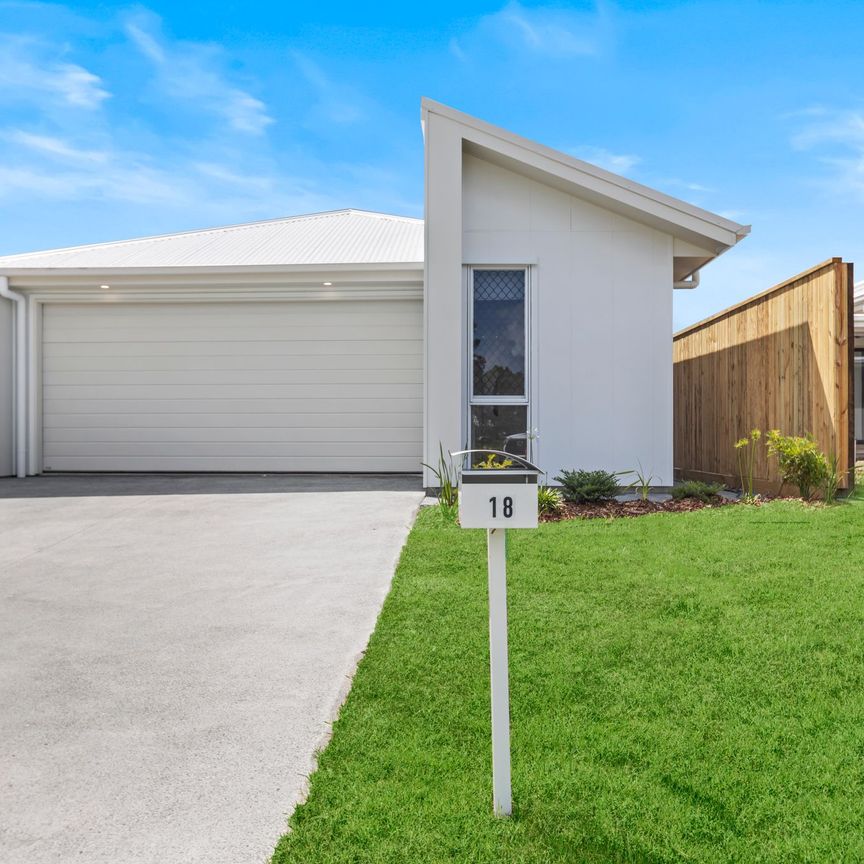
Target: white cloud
(551, 31)
(52, 146)
(335, 102)
(619, 163)
(76, 85)
(227, 175)
(837, 139)
(190, 73)
(836, 127)
(456, 50)
(28, 70)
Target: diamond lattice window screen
(499, 333)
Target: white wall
(602, 309)
(443, 305)
(6, 379)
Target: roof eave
(203, 270)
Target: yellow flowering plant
(746, 451)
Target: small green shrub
(549, 500)
(705, 492)
(583, 487)
(746, 452)
(493, 461)
(448, 486)
(801, 463)
(833, 479)
(642, 483)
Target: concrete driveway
(172, 651)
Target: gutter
(692, 282)
(20, 411)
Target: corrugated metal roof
(336, 237)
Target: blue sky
(122, 120)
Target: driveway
(172, 651)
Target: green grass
(684, 687)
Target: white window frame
(524, 399)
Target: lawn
(684, 687)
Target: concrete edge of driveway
(347, 683)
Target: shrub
(705, 492)
(801, 463)
(493, 461)
(746, 451)
(448, 486)
(549, 500)
(584, 487)
(642, 483)
(833, 478)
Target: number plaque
(498, 499)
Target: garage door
(281, 386)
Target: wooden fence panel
(780, 360)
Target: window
(498, 395)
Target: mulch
(631, 509)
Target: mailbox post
(497, 499)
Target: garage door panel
(252, 348)
(257, 434)
(145, 392)
(137, 314)
(247, 378)
(252, 320)
(240, 406)
(228, 449)
(286, 421)
(240, 333)
(324, 386)
(257, 464)
(221, 363)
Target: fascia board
(182, 270)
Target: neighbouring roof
(332, 238)
(858, 302)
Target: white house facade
(530, 311)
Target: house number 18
(507, 508)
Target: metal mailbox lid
(499, 475)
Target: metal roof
(335, 237)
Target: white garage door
(281, 386)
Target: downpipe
(20, 375)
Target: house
(782, 359)
(537, 295)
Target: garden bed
(630, 509)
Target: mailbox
(498, 498)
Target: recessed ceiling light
(104, 287)
(327, 284)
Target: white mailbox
(498, 498)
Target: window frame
(523, 399)
(518, 400)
